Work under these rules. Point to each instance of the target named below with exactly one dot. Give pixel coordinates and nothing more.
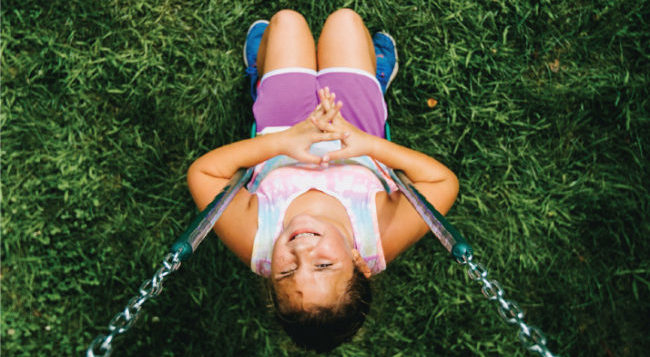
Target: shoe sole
(250, 28)
(396, 67)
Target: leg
(346, 42)
(287, 42)
(347, 65)
(287, 63)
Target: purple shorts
(288, 95)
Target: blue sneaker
(386, 53)
(251, 46)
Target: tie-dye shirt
(354, 182)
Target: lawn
(542, 111)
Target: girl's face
(312, 262)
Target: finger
(318, 111)
(323, 125)
(326, 122)
(308, 158)
(334, 107)
(338, 116)
(324, 99)
(327, 114)
(331, 114)
(329, 97)
(332, 99)
(335, 155)
(323, 108)
(329, 136)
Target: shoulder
(237, 226)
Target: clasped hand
(325, 123)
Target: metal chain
(124, 320)
(531, 337)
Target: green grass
(543, 114)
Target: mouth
(303, 234)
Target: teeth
(301, 235)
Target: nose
(304, 245)
(302, 249)
(303, 274)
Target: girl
(320, 215)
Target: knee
(287, 17)
(345, 16)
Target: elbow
(195, 178)
(453, 185)
(449, 190)
(192, 172)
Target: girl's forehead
(327, 292)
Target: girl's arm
(209, 174)
(399, 222)
(426, 172)
(212, 171)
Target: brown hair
(324, 328)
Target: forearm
(417, 166)
(433, 179)
(224, 161)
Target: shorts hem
(287, 70)
(350, 70)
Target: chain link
(531, 337)
(124, 320)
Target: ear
(360, 263)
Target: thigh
(346, 42)
(285, 97)
(287, 42)
(361, 95)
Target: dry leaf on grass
(554, 66)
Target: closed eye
(323, 266)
